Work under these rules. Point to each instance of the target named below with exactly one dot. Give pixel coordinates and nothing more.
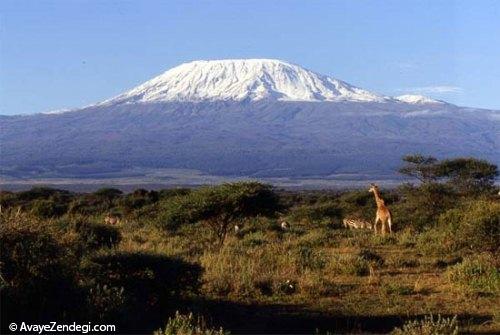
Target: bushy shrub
(421, 206)
(138, 199)
(358, 204)
(476, 274)
(148, 282)
(475, 226)
(315, 212)
(173, 192)
(182, 324)
(94, 235)
(47, 208)
(88, 204)
(429, 326)
(310, 259)
(39, 274)
(218, 206)
(40, 201)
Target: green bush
(148, 283)
(218, 206)
(429, 326)
(358, 204)
(39, 274)
(475, 226)
(88, 204)
(315, 212)
(48, 208)
(137, 200)
(188, 325)
(476, 274)
(94, 235)
(310, 259)
(421, 206)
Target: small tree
(218, 206)
(468, 175)
(419, 167)
(108, 194)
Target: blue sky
(65, 54)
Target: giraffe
(383, 213)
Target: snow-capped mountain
(417, 99)
(243, 79)
(253, 117)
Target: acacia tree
(468, 175)
(219, 206)
(464, 174)
(420, 167)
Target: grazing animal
(352, 223)
(284, 225)
(383, 214)
(111, 219)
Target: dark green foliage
(48, 208)
(172, 192)
(468, 175)
(108, 195)
(88, 204)
(147, 283)
(475, 226)
(359, 204)
(137, 200)
(42, 193)
(220, 205)
(421, 206)
(420, 167)
(94, 235)
(43, 202)
(308, 258)
(479, 273)
(316, 212)
(39, 277)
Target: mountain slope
(300, 124)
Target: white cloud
(432, 89)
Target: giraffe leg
(375, 226)
(389, 221)
(384, 227)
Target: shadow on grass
(139, 291)
(294, 319)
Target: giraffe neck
(378, 199)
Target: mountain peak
(417, 99)
(243, 79)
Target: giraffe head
(373, 188)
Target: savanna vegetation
(175, 264)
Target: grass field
(60, 261)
